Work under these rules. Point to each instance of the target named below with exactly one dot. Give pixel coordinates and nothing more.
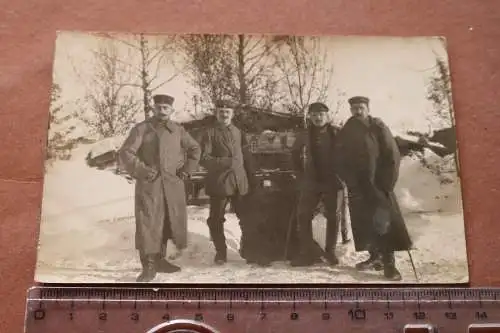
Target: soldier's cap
(223, 104)
(163, 99)
(318, 107)
(359, 100)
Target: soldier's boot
(148, 268)
(391, 273)
(164, 266)
(345, 237)
(330, 255)
(307, 256)
(331, 258)
(332, 230)
(374, 262)
(216, 229)
(221, 256)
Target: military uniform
(368, 162)
(317, 182)
(154, 155)
(226, 157)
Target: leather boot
(345, 237)
(390, 271)
(164, 266)
(219, 240)
(148, 268)
(374, 262)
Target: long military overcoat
(368, 161)
(167, 148)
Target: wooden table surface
(27, 32)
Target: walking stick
(413, 265)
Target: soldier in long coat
(159, 154)
(317, 182)
(226, 156)
(368, 161)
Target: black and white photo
(277, 159)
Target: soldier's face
(163, 111)
(359, 110)
(225, 116)
(319, 118)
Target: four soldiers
(362, 156)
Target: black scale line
(418, 302)
(103, 301)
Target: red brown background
(27, 32)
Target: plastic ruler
(262, 310)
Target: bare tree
(110, 106)
(238, 68)
(210, 65)
(306, 76)
(148, 57)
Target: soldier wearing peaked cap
(314, 162)
(230, 176)
(159, 154)
(368, 162)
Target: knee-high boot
(216, 229)
(148, 268)
(390, 271)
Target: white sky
(391, 71)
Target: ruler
(262, 310)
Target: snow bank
(420, 190)
(105, 145)
(87, 234)
(80, 194)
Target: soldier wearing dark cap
(314, 162)
(159, 154)
(230, 174)
(368, 162)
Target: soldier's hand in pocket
(152, 174)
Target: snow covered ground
(87, 235)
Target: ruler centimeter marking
(103, 310)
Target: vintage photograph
(277, 159)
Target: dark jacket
(226, 155)
(307, 171)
